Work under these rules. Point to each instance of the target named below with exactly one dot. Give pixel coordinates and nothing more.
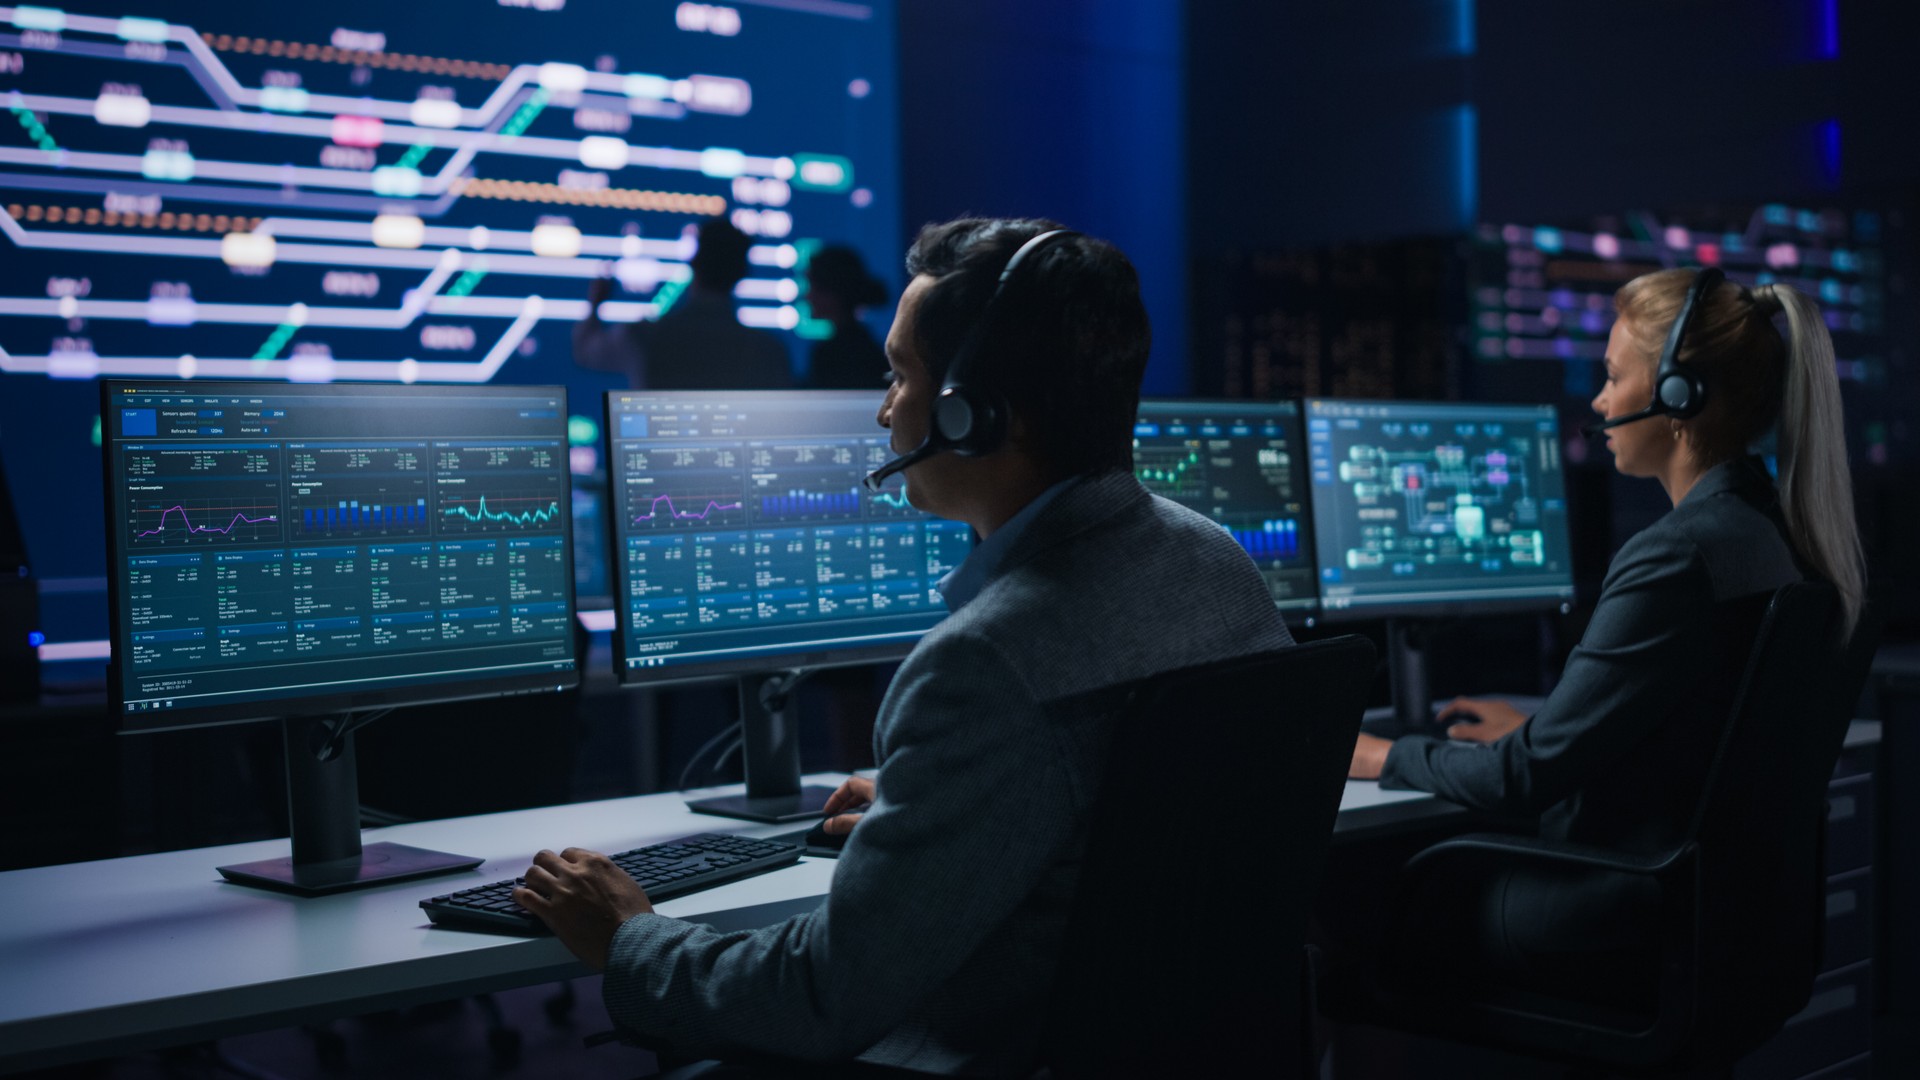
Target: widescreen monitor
(1244, 465)
(1437, 508)
(744, 544)
(285, 550)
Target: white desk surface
(119, 955)
(1367, 794)
(124, 951)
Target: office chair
(1742, 907)
(1185, 953)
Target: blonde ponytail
(1816, 488)
(1760, 382)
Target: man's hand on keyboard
(583, 898)
(857, 792)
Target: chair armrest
(1530, 849)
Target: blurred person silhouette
(840, 288)
(699, 343)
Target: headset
(969, 414)
(1678, 390)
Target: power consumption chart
(182, 495)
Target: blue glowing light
(1467, 135)
(1830, 151)
(1464, 40)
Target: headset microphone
(1604, 425)
(1678, 390)
(878, 478)
(969, 417)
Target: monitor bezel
(1464, 607)
(254, 711)
(731, 667)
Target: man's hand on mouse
(1496, 719)
(857, 792)
(583, 898)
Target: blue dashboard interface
(743, 538)
(276, 547)
(1430, 507)
(1244, 465)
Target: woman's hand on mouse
(1369, 757)
(1496, 719)
(857, 792)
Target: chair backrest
(1763, 816)
(1206, 851)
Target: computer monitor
(1430, 509)
(1243, 464)
(298, 552)
(744, 544)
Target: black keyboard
(667, 870)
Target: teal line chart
(352, 218)
(505, 511)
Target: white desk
(1368, 811)
(122, 955)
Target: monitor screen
(1243, 464)
(367, 191)
(289, 550)
(1438, 508)
(744, 541)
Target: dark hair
(721, 259)
(840, 270)
(1067, 343)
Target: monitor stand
(1407, 676)
(771, 749)
(323, 804)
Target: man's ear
(1023, 440)
(1020, 437)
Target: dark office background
(1310, 180)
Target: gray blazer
(938, 944)
(1617, 753)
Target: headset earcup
(954, 416)
(967, 420)
(1682, 395)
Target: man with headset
(1016, 354)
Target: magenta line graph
(237, 520)
(676, 514)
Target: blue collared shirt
(965, 581)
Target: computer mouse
(819, 837)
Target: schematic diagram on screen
(1469, 499)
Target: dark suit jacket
(1616, 755)
(938, 945)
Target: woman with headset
(1616, 754)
